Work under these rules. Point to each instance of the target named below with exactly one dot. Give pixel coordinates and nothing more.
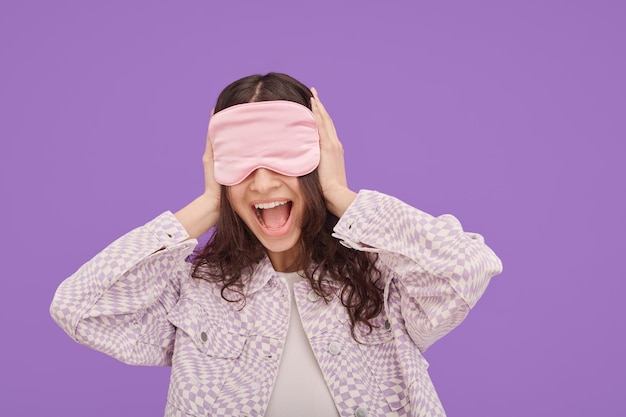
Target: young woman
(308, 298)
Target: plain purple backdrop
(508, 114)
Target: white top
(300, 389)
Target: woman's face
(272, 206)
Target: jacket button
(334, 348)
(361, 412)
(204, 337)
(312, 296)
(387, 325)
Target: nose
(264, 180)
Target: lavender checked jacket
(137, 302)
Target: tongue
(276, 217)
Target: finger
(322, 126)
(314, 91)
(208, 140)
(208, 146)
(212, 113)
(320, 112)
(320, 105)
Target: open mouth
(273, 215)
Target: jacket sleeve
(118, 302)
(440, 270)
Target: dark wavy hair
(232, 251)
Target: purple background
(510, 115)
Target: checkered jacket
(137, 302)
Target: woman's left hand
(331, 170)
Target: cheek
(236, 202)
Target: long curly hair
(332, 269)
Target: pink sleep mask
(277, 135)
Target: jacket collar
(264, 271)
(261, 274)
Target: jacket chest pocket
(205, 352)
(379, 352)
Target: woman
(308, 297)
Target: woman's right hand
(202, 213)
(212, 190)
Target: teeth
(269, 205)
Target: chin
(284, 244)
